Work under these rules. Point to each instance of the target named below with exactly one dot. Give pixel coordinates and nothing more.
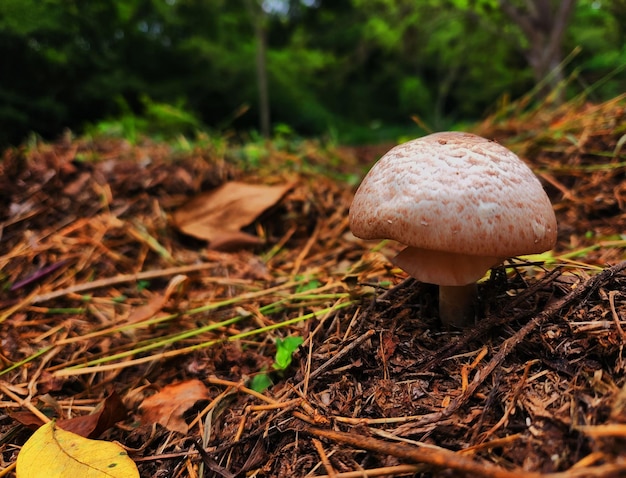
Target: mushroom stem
(456, 305)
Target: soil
(98, 286)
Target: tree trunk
(260, 33)
(543, 23)
(261, 72)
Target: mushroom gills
(444, 268)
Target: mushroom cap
(456, 193)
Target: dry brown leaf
(168, 406)
(144, 312)
(156, 302)
(218, 215)
(106, 414)
(78, 185)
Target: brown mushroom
(461, 204)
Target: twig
(495, 388)
(8, 469)
(438, 457)
(482, 328)
(600, 471)
(616, 318)
(211, 406)
(120, 279)
(383, 471)
(274, 406)
(609, 430)
(324, 457)
(496, 443)
(26, 403)
(342, 353)
(394, 290)
(242, 388)
(211, 463)
(511, 405)
(509, 344)
(305, 250)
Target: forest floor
(285, 346)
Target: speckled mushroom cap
(458, 193)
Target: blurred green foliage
(359, 70)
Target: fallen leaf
(388, 345)
(105, 415)
(157, 301)
(55, 453)
(217, 216)
(28, 419)
(168, 406)
(78, 185)
(144, 312)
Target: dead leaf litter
(110, 289)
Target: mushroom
(462, 204)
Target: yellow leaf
(55, 453)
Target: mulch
(97, 286)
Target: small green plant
(161, 121)
(306, 284)
(285, 348)
(260, 382)
(143, 285)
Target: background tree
(544, 23)
(259, 20)
(358, 69)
